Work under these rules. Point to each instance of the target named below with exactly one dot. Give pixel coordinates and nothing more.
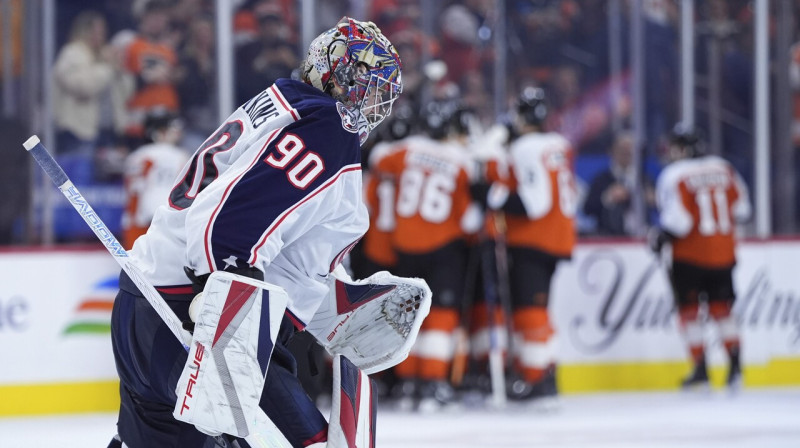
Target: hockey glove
(656, 238)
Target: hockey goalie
(247, 250)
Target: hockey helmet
(447, 118)
(358, 66)
(532, 106)
(685, 142)
(161, 120)
(402, 123)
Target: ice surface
(755, 418)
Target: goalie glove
(373, 322)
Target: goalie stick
(266, 434)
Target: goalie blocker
(374, 321)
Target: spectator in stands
(611, 194)
(272, 56)
(15, 35)
(152, 60)
(333, 10)
(411, 43)
(660, 71)
(460, 41)
(82, 74)
(197, 82)
(546, 26)
(246, 26)
(794, 83)
(566, 86)
(124, 84)
(466, 35)
(183, 15)
(394, 16)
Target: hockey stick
(496, 367)
(266, 435)
(461, 358)
(503, 280)
(70, 191)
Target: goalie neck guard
(358, 66)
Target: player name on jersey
(260, 108)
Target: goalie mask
(358, 66)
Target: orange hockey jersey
(433, 197)
(700, 200)
(540, 172)
(380, 196)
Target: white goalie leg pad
(373, 322)
(354, 407)
(221, 383)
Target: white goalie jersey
(277, 187)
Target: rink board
(55, 346)
(617, 329)
(611, 306)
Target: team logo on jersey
(353, 121)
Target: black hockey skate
(541, 395)
(734, 381)
(698, 379)
(403, 395)
(436, 396)
(474, 389)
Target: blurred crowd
(120, 62)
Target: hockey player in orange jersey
(537, 199)
(379, 255)
(380, 195)
(434, 211)
(700, 200)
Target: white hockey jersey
(150, 173)
(277, 186)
